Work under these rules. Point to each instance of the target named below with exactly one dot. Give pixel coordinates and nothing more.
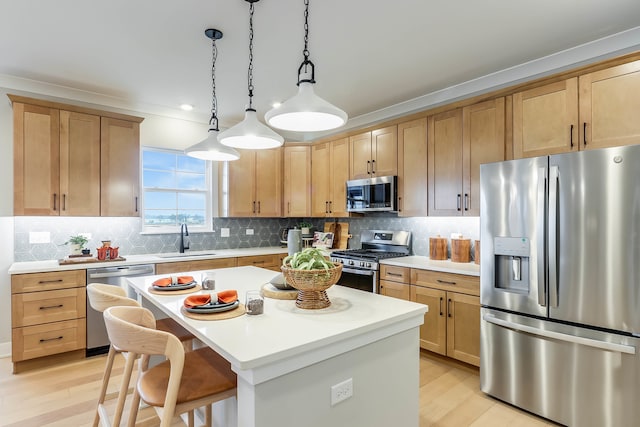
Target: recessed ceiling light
(187, 107)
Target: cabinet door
(242, 185)
(268, 183)
(339, 176)
(79, 164)
(482, 142)
(297, 181)
(36, 158)
(433, 332)
(395, 289)
(610, 107)
(384, 151)
(445, 163)
(545, 120)
(120, 167)
(463, 327)
(360, 154)
(412, 168)
(320, 179)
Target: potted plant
(77, 243)
(305, 227)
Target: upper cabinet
(545, 119)
(329, 175)
(459, 141)
(255, 184)
(374, 153)
(61, 156)
(610, 107)
(412, 168)
(297, 181)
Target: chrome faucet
(184, 232)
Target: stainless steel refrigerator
(560, 285)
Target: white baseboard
(5, 349)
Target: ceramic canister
(294, 241)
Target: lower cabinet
(48, 315)
(270, 262)
(452, 325)
(201, 264)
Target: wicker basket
(312, 285)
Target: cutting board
(340, 232)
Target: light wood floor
(64, 396)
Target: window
(176, 189)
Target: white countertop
(284, 331)
(426, 263)
(52, 265)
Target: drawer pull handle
(449, 308)
(446, 282)
(52, 339)
(394, 274)
(50, 281)
(441, 305)
(52, 306)
(258, 262)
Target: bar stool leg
(124, 388)
(105, 383)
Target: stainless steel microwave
(378, 194)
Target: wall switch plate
(249, 231)
(341, 391)
(39, 237)
(224, 232)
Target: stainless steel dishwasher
(97, 339)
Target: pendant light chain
(213, 122)
(250, 70)
(305, 52)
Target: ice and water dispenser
(512, 263)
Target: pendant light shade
(210, 148)
(250, 133)
(306, 111)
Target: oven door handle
(358, 271)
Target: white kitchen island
(287, 359)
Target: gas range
(376, 245)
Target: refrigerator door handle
(620, 348)
(542, 281)
(554, 176)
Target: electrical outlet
(39, 237)
(224, 232)
(249, 231)
(341, 391)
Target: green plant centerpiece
(311, 273)
(77, 243)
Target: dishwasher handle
(122, 271)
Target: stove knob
(361, 263)
(351, 262)
(368, 265)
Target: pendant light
(210, 148)
(250, 133)
(306, 111)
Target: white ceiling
(371, 56)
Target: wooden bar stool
(101, 297)
(184, 382)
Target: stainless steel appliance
(97, 338)
(360, 266)
(372, 194)
(560, 285)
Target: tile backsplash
(125, 233)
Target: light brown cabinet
(297, 181)
(452, 324)
(329, 175)
(255, 184)
(48, 315)
(72, 161)
(195, 265)
(394, 281)
(412, 168)
(374, 153)
(459, 141)
(271, 262)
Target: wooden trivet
(239, 311)
(196, 288)
(270, 291)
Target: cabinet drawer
(49, 306)
(42, 340)
(446, 281)
(34, 282)
(260, 260)
(394, 273)
(203, 264)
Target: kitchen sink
(186, 254)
